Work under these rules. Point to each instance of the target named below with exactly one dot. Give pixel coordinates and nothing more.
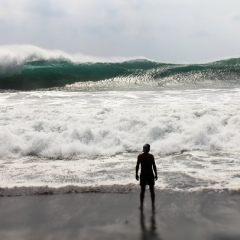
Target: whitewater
(69, 126)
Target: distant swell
(47, 74)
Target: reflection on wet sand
(151, 231)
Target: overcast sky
(179, 31)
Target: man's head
(146, 148)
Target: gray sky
(179, 31)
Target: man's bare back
(147, 177)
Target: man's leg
(142, 196)
(152, 197)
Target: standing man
(147, 176)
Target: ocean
(73, 126)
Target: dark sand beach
(202, 215)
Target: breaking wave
(35, 68)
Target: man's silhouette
(147, 176)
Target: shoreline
(18, 191)
(199, 215)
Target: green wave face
(59, 74)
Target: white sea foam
(193, 171)
(12, 57)
(66, 125)
(62, 138)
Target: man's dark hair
(146, 148)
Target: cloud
(236, 16)
(45, 8)
(164, 30)
(13, 10)
(200, 34)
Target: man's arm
(155, 169)
(137, 168)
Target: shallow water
(193, 171)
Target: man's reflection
(148, 233)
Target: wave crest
(31, 68)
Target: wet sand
(181, 216)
